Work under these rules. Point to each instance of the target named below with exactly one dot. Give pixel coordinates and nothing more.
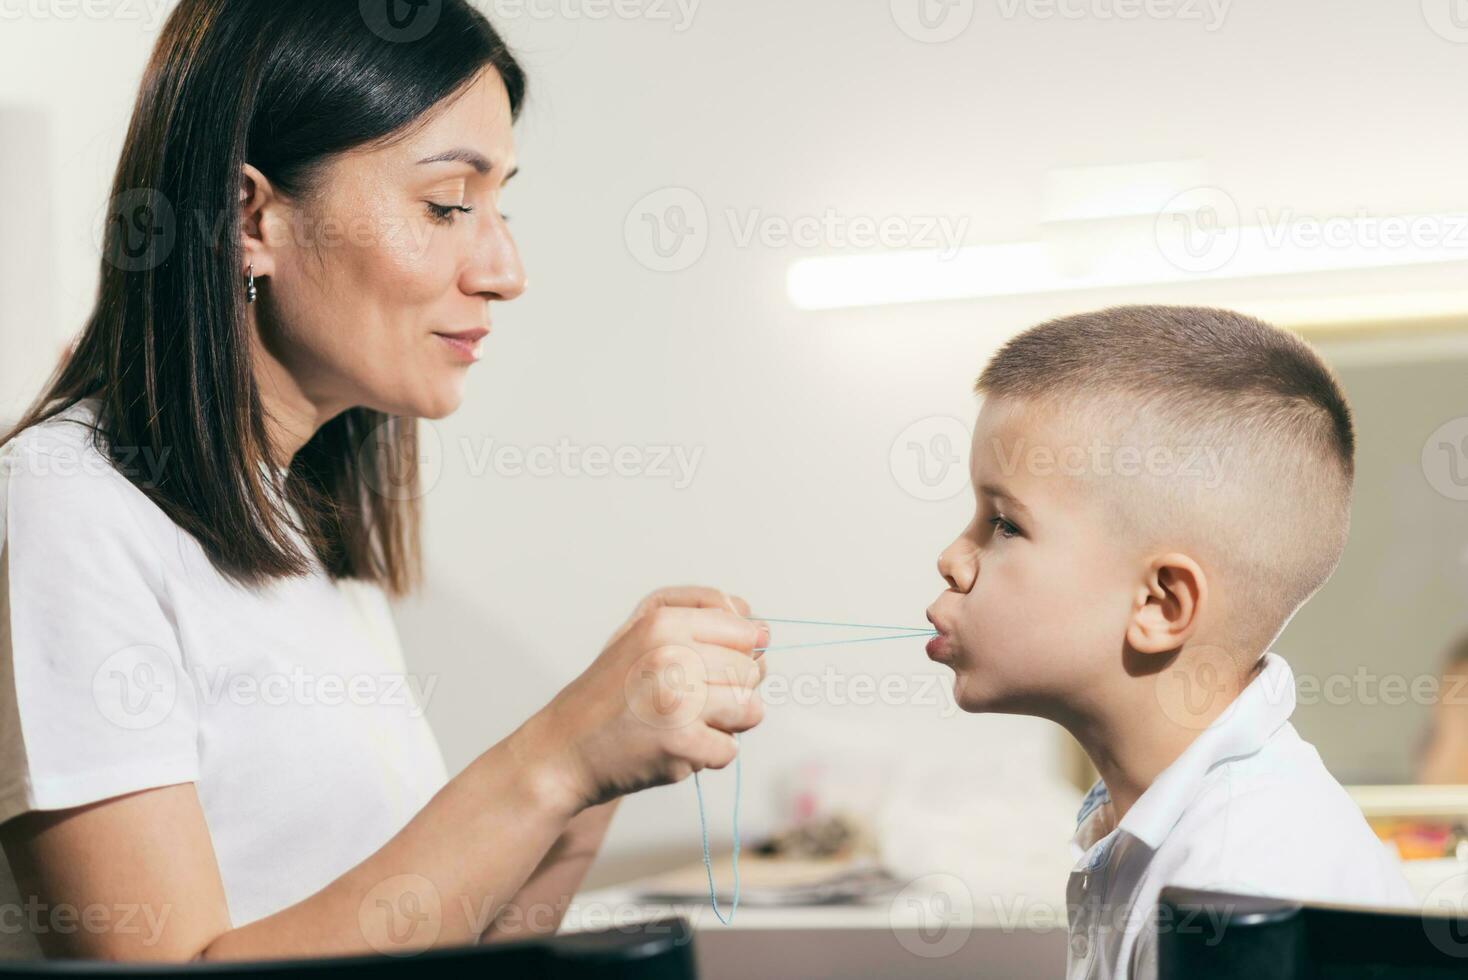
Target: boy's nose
(959, 566)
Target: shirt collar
(1241, 730)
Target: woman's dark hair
(282, 85)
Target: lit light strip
(1026, 268)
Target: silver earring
(250, 291)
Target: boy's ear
(1168, 604)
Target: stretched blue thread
(703, 824)
(854, 626)
(837, 643)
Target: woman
(214, 495)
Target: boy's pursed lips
(938, 646)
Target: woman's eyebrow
(473, 158)
(462, 154)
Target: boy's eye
(1005, 529)
(445, 213)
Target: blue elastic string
(854, 626)
(903, 632)
(703, 824)
(704, 829)
(837, 643)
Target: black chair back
(657, 950)
(1202, 935)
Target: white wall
(787, 108)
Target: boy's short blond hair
(1256, 397)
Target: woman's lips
(465, 344)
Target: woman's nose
(512, 277)
(959, 565)
(499, 274)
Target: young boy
(1158, 490)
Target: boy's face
(1040, 584)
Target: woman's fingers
(729, 668)
(678, 624)
(715, 750)
(733, 709)
(685, 597)
(697, 596)
(740, 606)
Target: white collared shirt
(1247, 808)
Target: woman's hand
(663, 700)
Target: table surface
(921, 905)
(925, 904)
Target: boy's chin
(970, 694)
(974, 695)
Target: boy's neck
(1130, 739)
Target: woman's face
(401, 247)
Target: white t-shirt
(1248, 808)
(128, 662)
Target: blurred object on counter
(1424, 838)
(823, 861)
(839, 835)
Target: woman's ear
(1168, 604)
(258, 203)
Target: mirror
(1370, 651)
